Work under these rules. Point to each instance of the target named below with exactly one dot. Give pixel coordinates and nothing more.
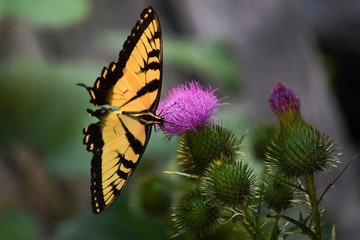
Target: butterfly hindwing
(134, 82)
(116, 153)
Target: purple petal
(283, 100)
(188, 106)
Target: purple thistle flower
(187, 106)
(283, 100)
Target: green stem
(255, 231)
(275, 229)
(314, 204)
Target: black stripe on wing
(135, 144)
(148, 88)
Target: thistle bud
(198, 149)
(229, 182)
(297, 149)
(277, 194)
(195, 216)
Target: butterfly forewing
(132, 84)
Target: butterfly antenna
(82, 85)
(167, 137)
(165, 110)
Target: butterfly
(131, 86)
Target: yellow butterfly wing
(133, 84)
(117, 142)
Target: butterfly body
(148, 118)
(131, 86)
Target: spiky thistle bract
(228, 181)
(197, 149)
(278, 194)
(194, 216)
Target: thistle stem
(275, 229)
(314, 204)
(256, 233)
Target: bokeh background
(242, 47)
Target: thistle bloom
(188, 106)
(283, 100)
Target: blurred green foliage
(209, 57)
(261, 137)
(45, 13)
(116, 223)
(10, 222)
(40, 106)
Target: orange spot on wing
(105, 73)
(92, 94)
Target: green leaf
(305, 229)
(46, 13)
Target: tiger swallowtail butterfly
(131, 87)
